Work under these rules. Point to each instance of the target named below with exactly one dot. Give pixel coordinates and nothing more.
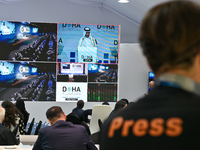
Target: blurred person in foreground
(61, 134)
(167, 118)
(6, 136)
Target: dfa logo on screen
(71, 89)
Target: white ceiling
(132, 11)
(128, 15)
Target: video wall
(58, 62)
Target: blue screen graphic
(151, 75)
(7, 28)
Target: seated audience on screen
(62, 135)
(78, 110)
(21, 107)
(167, 118)
(13, 117)
(6, 136)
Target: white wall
(37, 110)
(133, 72)
(133, 83)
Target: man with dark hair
(105, 103)
(6, 136)
(125, 100)
(62, 135)
(167, 118)
(78, 110)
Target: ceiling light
(123, 1)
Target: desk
(97, 145)
(20, 147)
(27, 147)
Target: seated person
(105, 103)
(21, 107)
(6, 136)
(119, 105)
(13, 117)
(62, 134)
(78, 110)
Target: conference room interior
(132, 71)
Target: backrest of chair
(99, 112)
(86, 113)
(100, 123)
(30, 127)
(72, 117)
(38, 127)
(26, 119)
(86, 127)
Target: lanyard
(164, 83)
(178, 81)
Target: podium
(87, 54)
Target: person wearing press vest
(167, 118)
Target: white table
(25, 147)
(19, 147)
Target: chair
(100, 123)
(38, 127)
(86, 113)
(26, 117)
(72, 117)
(30, 127)
(86, 127)
(95, 137)
(99, 112)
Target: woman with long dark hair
(13, 117)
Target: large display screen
(26, 41)
(58, 61)
(28, 80)
(88, 43)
